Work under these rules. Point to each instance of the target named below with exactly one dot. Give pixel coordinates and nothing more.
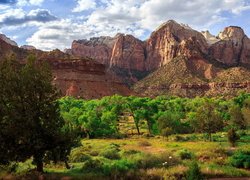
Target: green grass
(154, 157)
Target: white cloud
(17, 17)
(83, 5)
(29, 2)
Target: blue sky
(50, 24)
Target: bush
(93, 153)
(194, 172)
(179, 138)
(78, 156)
(184, 154)
(117, 168)
(130, 152)
(240, 159)
(93, 165)
(246, 164)
(144, 143)
(111, 153)
(146, 161)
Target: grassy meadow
(138, 157)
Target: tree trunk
(67, 164)
(149, 128)
(39, 166)
(210, 137)
(138, 130)
(39, 163)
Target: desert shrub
(130, 152)
(240, 159)
(191, 137)
(194, 172)
(144, 143)
(110, 153)
(246, 164)
(78, 156)
(145, 161)
(167, 159)
(179, 138)
(93, 153)
(93, 165)
(184, 154)
(115, 146)
(118, 167)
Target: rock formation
(28, 47)
(8, 40)
(177, 59)
(86, 79)
(74, 77)
(233, 47)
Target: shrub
(179, 138)
(78, 156)
(130, 152)
(93, 153)
(111, 153)
(93, 165)
(246, 164)
(240, 159)
(117, 168)
(144, 143)
(184, 154)
(194, 172)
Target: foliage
(31, 125)
(237, 118)
(161, 115)
(93, 165)
(194, 172)
(110, 153)
(184, 154)
(240, 159)
(208, 119)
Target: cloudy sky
(50, 24)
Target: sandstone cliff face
(99, 49)
(128, 53)
(86, 79)
(233, 47)
(122, 51)
(165, 43)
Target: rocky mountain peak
(232, 33)
(28, 47)
(8, 40)
(211, 39)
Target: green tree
(208, 118)
(31, 125)
(246, 112)
(236, 117)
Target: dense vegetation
(109, 116)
